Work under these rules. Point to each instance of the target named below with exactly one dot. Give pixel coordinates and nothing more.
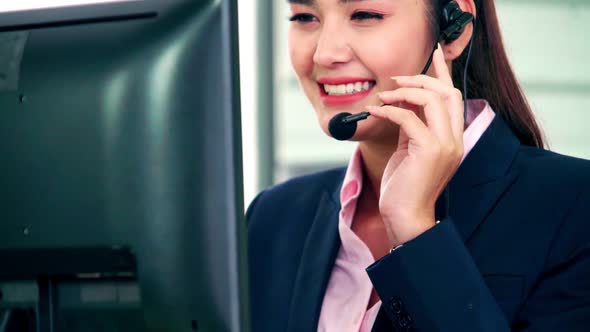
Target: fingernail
(371, 107)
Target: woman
(439, 222)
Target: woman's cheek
(383, 57)
(301, 48)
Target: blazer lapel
(319, 253)
(483, 177)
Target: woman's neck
(375, 156)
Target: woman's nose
(332, 48)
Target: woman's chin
(373, 129)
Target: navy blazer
(513, 253)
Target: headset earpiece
(453, 22)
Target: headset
(453, 21)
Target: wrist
(404, 229)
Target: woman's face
(345, 51)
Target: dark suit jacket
(513, 254)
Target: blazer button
(395, 304)
(405, 321)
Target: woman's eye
(363, 16)
(302, 18)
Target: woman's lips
(339, 100)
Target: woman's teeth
(347, 89)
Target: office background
(546, 41)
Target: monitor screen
(120, 182)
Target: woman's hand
(428, 152)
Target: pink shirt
(344, 308)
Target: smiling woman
(406, 237)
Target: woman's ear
(454, 49)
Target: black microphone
(343, 125)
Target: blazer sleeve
(432, 283)
(252, 206)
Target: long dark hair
(490, 75)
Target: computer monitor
(121, 202)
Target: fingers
(433, 105)
(451, 96)
(441, 69)
(441, 101)
(442, 84)
(409, 123)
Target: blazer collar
(490, 158)
(483, 177)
